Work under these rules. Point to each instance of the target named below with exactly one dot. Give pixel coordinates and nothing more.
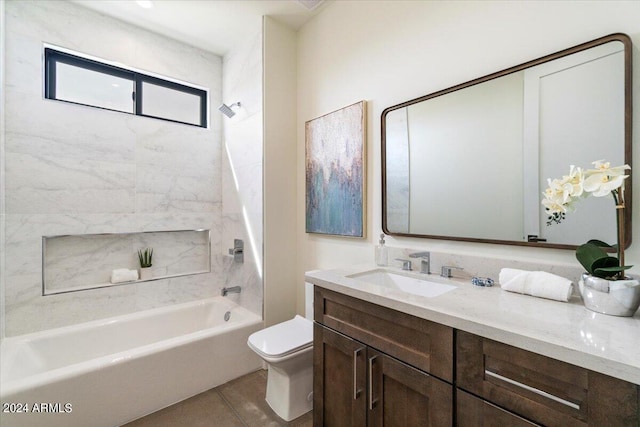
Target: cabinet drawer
(541, 389)
(423, 344)
(474, 412)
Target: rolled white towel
(120, 275)
(536, 283)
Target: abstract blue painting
(335, 172)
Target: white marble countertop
(565, 331)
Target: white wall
(280, 166)
(73, 169)
(387, 52)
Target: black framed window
(79, 80)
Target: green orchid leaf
(599, 243)
(603, 264)
(592, 256)
(607, 247)
(615, 269)
(607, 272)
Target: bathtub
(111, 371)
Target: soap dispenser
(382, 253)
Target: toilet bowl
(287, 348)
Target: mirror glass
(471, 162)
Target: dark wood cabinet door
(339, 380)
(400, 395)
(474, 412)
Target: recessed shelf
(77, 262)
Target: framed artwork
(335, 172)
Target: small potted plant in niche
(145, 256)
(605, 288)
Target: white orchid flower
(561, 195)
(564, 191)
(602, 180)
(552, 206)
(576, 180)
(602, 166)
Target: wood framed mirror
(470, 162)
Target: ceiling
(213, 25)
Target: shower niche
(78, 262)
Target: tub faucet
(425, 261)
(231, 290)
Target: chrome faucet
(406, 264)
(231, 290)
(445, 271)
(425, 261)
(237, 251)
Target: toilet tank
(308, 300)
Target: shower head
(227, 109)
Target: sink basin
(409, 284)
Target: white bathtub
(111, 371)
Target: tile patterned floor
(237, 403)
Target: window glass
(167, 103)
(77, 79)
(84, 86)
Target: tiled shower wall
(242, 164)
(72, 169)
(176, 253)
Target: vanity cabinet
(376, 367)
(537, 388)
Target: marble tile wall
(242, 170)
(2, 143)
(73, 169)
(82, 261)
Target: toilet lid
(283, 338)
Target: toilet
(287, 348)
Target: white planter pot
(146, 273)
(612, 297)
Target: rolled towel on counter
(120, 275)
(536, 283)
